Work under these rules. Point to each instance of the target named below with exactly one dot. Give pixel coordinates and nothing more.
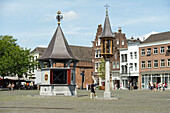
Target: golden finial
(59, 17)
(59, 12)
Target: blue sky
(33, 22)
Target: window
(149, 64)
(143, 52)
(114, 65)
(135, 66)
(117, 64)
(143, 64)
(163, 63)
(131, 66)
(148, 51)
(96, 53)
(162, 49)
(125, 57)
(99, 53)
(117, 42)
(122, 57)
(168, 61)
(122, 42)
(155, 51)
(135, 53)
(168, 47)
(99, 42)
(155, 63)
(115, 56)
(131, 55)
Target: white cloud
(70, 15)
(145, 36)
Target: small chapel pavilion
(57, 80)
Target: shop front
(155, 79)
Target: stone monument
(107, 51)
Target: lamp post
(130, 66)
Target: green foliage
(13, 59)
(101, 69)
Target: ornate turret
(107, 38)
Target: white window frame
(162, 62)
(142, 52)
(136, 66)
(168, 62)
(162, 49)
(96, 54)
(117, 42)
(131, 55)
(99, 42)
(155, 50)
(135, 54)
(154, 63)
(149, 64)
(149, 51)
(143, 64)
(99, 53)
(131, 66)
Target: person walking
(93, 94)
(12, 87)
(163, 85)
(9, 86)
(149, 85)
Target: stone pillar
(74, 75)
(107, 93)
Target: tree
(101, 69)
(14, 60)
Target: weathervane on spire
(106, 7)
(59, 17)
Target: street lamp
(130, 66)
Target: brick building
(85, 63)
(154, 60)
(119, 41)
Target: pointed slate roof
(107, 31)
(58, 49)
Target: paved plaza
(136, 101)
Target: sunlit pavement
(135, 101)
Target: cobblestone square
(135, 101)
